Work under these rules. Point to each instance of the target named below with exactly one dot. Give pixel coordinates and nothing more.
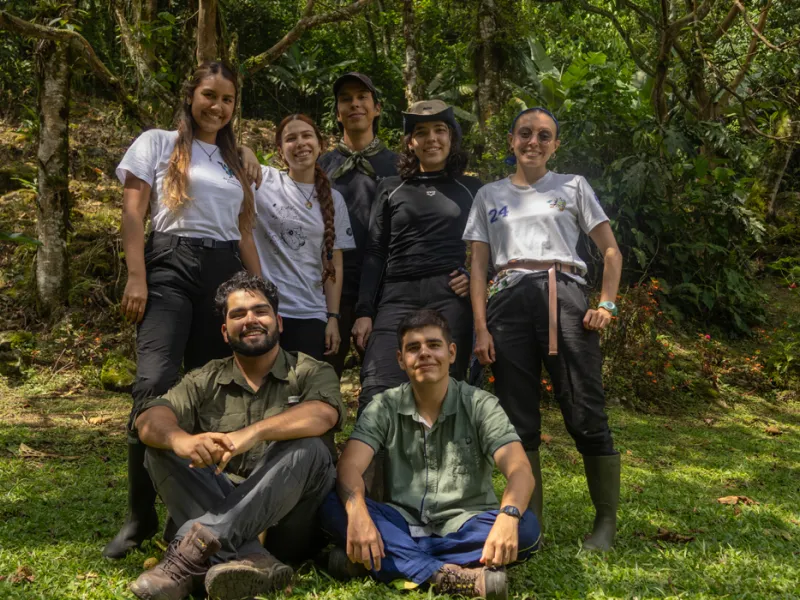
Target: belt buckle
(208, 243)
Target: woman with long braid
(201, 208)
(302, 228)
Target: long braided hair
(322, 187)
(175, 186)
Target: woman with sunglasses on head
(198, 194)
(414, 256)
(529, 224)
(303, 226)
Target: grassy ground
(62, 497)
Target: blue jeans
(417, 559)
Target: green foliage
(118, 373)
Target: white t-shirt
(217, 196)
(289, 239)
(541, 222)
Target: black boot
(602, 475)
(142, 521)
(537, 501)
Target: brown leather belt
(552, 293)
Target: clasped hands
(212, 448)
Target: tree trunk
(373, 44)
(777, 163)
(411, 68)
(53, 203)
(386, 38)
(150, 10)
(207, 31)
(487, 63)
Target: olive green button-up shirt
(437, 478)
(217, 397)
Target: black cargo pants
(517, 318)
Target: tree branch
(757, 31)
(79, 43)
(308, 21)
(694, 16)
(748, 60)
(139, 61)
(722, 28)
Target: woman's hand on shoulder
(251, 165)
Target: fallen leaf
(668, 427)
(637, 488)
(708, 421)
(670, 536)
(736, 500)
(546, 438)
(23, 574)
(628, 452)
(149, 563)
(26, 451)
(89, 575)
(772, 430)
(98, 420)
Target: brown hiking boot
(479, 582)
(172, 578)
(251, 576)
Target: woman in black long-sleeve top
(414, 256)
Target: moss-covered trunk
(53, 202)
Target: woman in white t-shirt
(201, 207)
(302, 228)
(529, 225)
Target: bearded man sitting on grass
(235, 450)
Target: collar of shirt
(408, 404)
(232, 373)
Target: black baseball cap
(364, 80)
(351, 76)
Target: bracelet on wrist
(333, 315)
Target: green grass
(57, 514)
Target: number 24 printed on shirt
(495, 214)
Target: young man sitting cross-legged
(440, 523)
(254, 418)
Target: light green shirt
(441, 480)
(217, 397)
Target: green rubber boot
(602, 475)
(536, 501)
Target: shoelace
(178, 566)
(458, 582)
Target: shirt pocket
(464, 459)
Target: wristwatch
(511, 511)
(609, 306)
(334, 316)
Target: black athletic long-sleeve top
(359, 192)
(415, 230)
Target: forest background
(683, 115)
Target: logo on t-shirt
(558, 203)
(229, 172)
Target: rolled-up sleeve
(183, 400)
(318, 381)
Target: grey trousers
(281, 495)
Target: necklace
(206, 152)
(309, 204)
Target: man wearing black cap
(355, 167)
